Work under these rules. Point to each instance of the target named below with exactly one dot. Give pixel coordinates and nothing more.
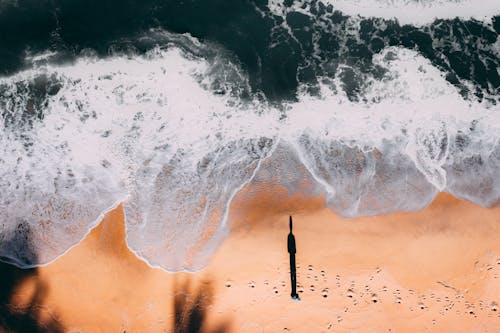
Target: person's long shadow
(191, 308)
(27, 318)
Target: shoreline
(404, 272)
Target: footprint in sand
(324, 293)
(494, 306)
(350, 293)
(375, 298)
(422, 306)
(337, 283)
(300, 289)
(275, 289)
(310, 267)
(311, 287)
(228, 284)
(251, 284)
(399, 300)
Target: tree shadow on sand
(191, 308)
(28, 317)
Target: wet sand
(436, 270)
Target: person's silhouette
(292, 250)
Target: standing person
(293, 271)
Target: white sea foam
(393, 154)
(149, 130)
(169, 135)
(416, 12)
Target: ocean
(172, 107)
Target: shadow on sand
(191, 307)
(28, 316)
(191, 303)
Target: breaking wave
(158, 133)
(167, 133)
(376, 116)
(417, 12)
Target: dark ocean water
(171, 107)
(275, 57)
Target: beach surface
(435, 270)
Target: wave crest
(175, 134)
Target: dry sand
(436, 270)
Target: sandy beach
(152, 153)
(436, 270)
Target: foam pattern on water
(397, 151)
(159, 131)
(416, 12)
(473, 163)
(174, 134)
(335, 43)
(56, 176)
